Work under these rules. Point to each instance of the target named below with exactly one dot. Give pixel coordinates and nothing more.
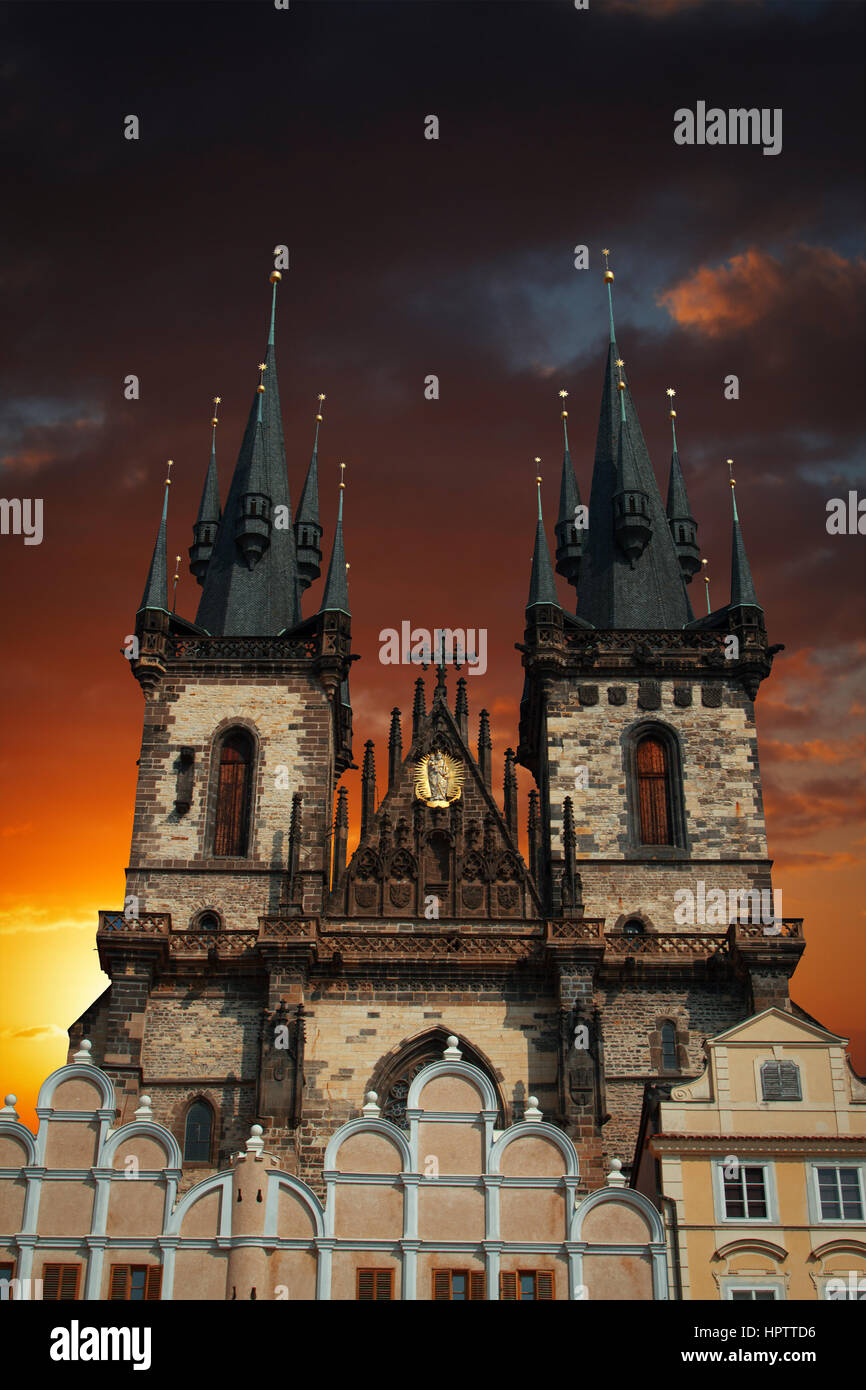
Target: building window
(532, 1284)
(208, 922)
(392, 1082)
(669, 1047)
(377, 1284)
(458, 1285)
(198, 1133)
(633, 927)
(780, 1081)
(840, 1193)
(135, 1283)
(653, 778)
(753, 1295)
(234, 789)
(7, 1274)
(746, 1194)
(60, 1281)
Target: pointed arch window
(234, 794)
(654, 799)
(198, 1133)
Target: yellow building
(759, 1166)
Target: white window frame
(741, 1284)
(815, 1195)
(722, 1218)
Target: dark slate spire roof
(613, 593)
(742, 588)
(156, 587)
(569, 494)
(263, 600)
(209, 507)
(542, 585)
(308, 507)
(678, 508)
(336, 595)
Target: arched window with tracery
(234, 795)
(198, 1133)
(394, 1079)
(654, 793)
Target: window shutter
(384, 1284)
(477, 1284)
(544, 1284)
(508, 1285)
(153, 1287)
(230, 835)
(366, 1284)
(120, 1279)
(652, 778)
(68, 1281)
(51, 1281)
(442, 1285)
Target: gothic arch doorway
(396, 1072)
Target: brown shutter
(384, 1284)
(69, 1281)
(477, 1284)
(652, 779)
(366, 1283)
(230, 836)
(508, 1285)
(153, 1284)
(544, 1284)
(442, 1284)
(120, 1280)
(51, 1281)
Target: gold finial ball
(214, 421)
(620, 386)
(565, 414)
(608, 277)
(342, 485)
(348, 566)
(275, 277)
(538, 478)
(673, 414)
(318, 417)
(260, 390)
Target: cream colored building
(759, 1166)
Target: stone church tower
(259, 977)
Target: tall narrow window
(233, 795)
(669, 1047)
(458, 1285)
(135, 1283)
(653, 774)
(375, 1284)
(198, 1133)
(60, 1281)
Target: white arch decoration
(535, 1129)
(151, 1130)
(446, 1067)
(363, 1125)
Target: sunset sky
(412, 257)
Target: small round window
(209, 922)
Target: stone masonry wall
(171, 865)
(723, 806)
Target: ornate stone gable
(438, 847)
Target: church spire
(742, 587)
(336, 595)
(542, 585)
(569, 536)
(684, 528)
(156, 586)
(308, 531)
(250, 586)
(630, 574)
(205, 527)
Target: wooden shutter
(60, 1281)
(652, 779)
(121, 1278)
(477, 1284)
(376, 1284)
(230, 836)
(153, 1284)
(508, 1285)
(544, 1284)
(442, 1284)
